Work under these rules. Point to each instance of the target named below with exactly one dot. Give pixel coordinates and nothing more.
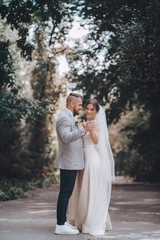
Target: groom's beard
(75, 112)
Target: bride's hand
(91, 125)
(85, 126)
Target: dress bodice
(87, 140)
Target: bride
(89, 203)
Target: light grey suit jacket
(70, 152)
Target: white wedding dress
(89, 203)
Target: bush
(14, 188)
(140, 159)
(45, 182)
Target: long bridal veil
(104, 149)
(107, 166)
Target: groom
(70, 158)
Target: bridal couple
(86, 168)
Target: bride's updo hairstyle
(94, 102)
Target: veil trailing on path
(104, 149)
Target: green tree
(44, 88)
(125, 35)
(23, 15)
(14, 108)
(30, 18)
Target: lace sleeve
(97, 128)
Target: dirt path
(134, 211)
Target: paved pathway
(134, 211)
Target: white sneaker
(65, 229)
(71, 226)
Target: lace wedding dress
(88, 205)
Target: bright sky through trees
(75, 33)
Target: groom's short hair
(76, 95)
(72, 96)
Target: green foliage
(22, 15)
(13, 189)
(14, 107)
(140, 158)
(45, 182)
(6, 72)
(25, 124)
(120, 66)
(40, 142)
(129, 72)
(143, 163)
(125, 35)
(18, 15)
